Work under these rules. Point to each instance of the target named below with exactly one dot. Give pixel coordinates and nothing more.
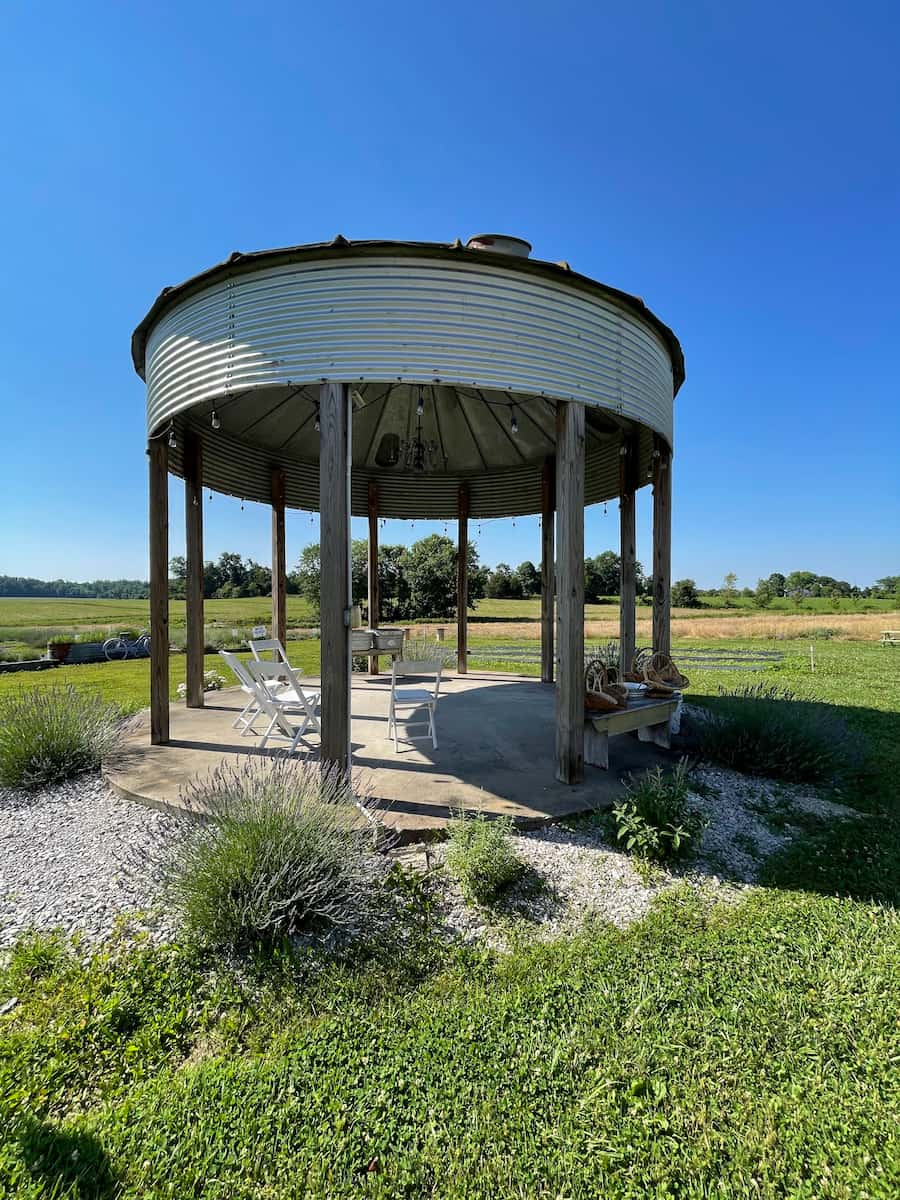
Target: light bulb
(514, 423)
(173, 440)
(420, 406)
(214, 420)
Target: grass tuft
(51, 734)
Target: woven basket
(601, 692)
(662, 677)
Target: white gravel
(79, 857)
(586, 877)
(70, 858)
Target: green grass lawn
(709, 1052)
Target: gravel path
(68, 858)
(77, 856)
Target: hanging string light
(173, 440)
(214, 420)
(514, 422)
(242, 503)
(420, 403)
(317, 424)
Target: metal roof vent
(499, 243)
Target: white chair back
(239, 668)
(260, 645)
(422, 669)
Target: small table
(651, 718)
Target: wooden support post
(159, 590)
(374, 598)
(662, 546)
(548, 568)
(628, 459)
(279, 559)
(570, 591)
(335, 593)
(193, 593)
(462, 581)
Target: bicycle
(116, 649)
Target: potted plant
(58, 648)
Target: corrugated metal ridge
(238, 264)
(243, 470)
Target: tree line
(420, 580)
(797, 586)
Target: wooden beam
(662, 546)
(570, 435)
(279, 559)
(548, 568)
(159, 590)
(193, 593)
(334, 508)
(628, 459)
(462, 580)
(374, 598)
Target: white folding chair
(288, 702)
(260, 646)
(245, 719)
(410, 700)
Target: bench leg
(657, 734)
(596, 747)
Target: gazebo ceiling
(455, 361)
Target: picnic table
(890, 637)
(649, 718)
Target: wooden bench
(649, 718)
(890, 637)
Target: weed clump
(654, 819)
(481, 856)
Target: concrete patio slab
(495, 753)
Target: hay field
(686, 624)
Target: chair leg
(433, 728)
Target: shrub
(481, 857)
(284, 849)
(654, 819)
(766, 730)
(50, 734)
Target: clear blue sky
(739, 169)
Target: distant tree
(504, 583)
(800, 584)
(684, 594)
(413, 583)
(762, 597)
(177, 577)
(729, 589)
(601, 576)
(775, 583)
(887, 588)
(529, 578)
(430, 568)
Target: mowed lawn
(742, 1050)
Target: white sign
(259, 631)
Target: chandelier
(415, 453)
